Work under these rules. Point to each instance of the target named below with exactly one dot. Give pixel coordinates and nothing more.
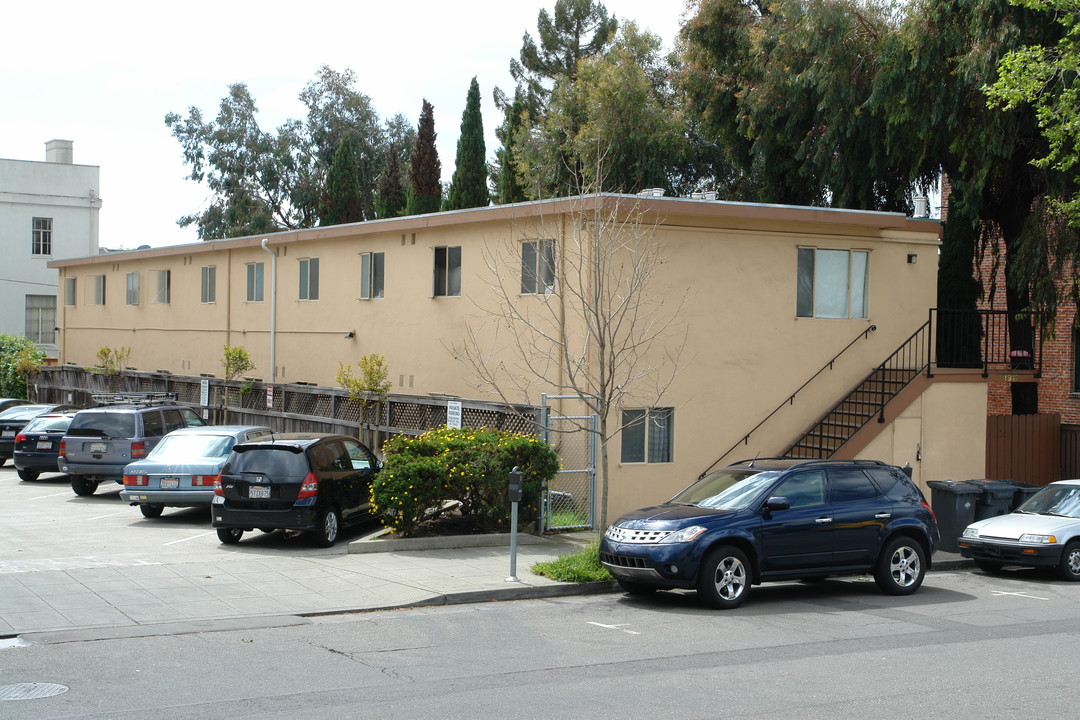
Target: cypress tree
(390, 197)
(342, 203)
(425, 170)
(468, 187)
(509, 188)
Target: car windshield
(23, 412)
(48, 423)
(1054, 500)
(184, 447)
(729, 489)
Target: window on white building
(41, 319)
(41, 236)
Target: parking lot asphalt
(102, 596)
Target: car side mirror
(777, 503)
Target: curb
(376, 544)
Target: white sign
(453, 414)
(269, 397)
(204, 392)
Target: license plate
(169, 483)
(7, 433)
(258, 492)
(44, 445)
(99, 447)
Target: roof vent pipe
(922, 207)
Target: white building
(48, 211)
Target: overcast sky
(105, 74)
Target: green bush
(582, 566)
(18, 359)
(467, 465)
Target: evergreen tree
(468, 187)
(390, 197)
(509, 188)
(342, 203)
(425, 170)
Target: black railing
(987, 340)
(791, 398)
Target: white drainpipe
(273, 311)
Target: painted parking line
(98, 517)
(613, 627)
(42, 497)
(193, 537)
(1018, 594)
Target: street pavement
(90, 598)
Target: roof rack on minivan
(135, 398)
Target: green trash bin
(954, 506)
(996, 498)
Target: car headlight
(971, 532)
(685, 535)
(1038, 539)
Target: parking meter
(514, 488)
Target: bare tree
(587, 318)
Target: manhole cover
(30, 691)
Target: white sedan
(1043, 532)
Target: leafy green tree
(20, 360)
(369, 389)
(390, 198)
(468, 187)
(425, 170)
(342, 203)
(111, 364)
(268, 181)
(508, 182)
(235, 361)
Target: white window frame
(208, 284)
(132, 290)
(447, 271)
(162, 287)
(648, 435)
(255, 281)
(372, 275)
(309, 278)
(41, 319)
(538, 267)
(823, 290)
(41, 237)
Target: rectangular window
(647, 435)
(309, 279)
(538, 267)
(371, 275)
(41, 242)
(97, 290)
(163, 286)
(255, 282)
(41, 319)
(131, 294)
(69, 291)
(832, 283)
(448, 271)
(208, 284)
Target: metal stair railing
(791, 398)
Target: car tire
(901, 567)
(28, 474)
(1069, 568)
(329, 527)
(229, 536)
(151, 511)
(635, 588)
(3, 459)
(990, 566)
(82, 485)
(724, 578)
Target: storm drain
(30, 691)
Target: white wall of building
(66, 194)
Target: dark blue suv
(777, 519)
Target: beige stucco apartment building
(754, 299)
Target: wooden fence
(1026, 448)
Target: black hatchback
(777, 519)
(297, 481)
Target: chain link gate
(569, 500)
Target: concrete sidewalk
(111, 599)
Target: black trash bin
(1021, 492)
(954, 506)
(996, 498)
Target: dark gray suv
(121, 428)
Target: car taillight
(927, 506)
(63, 448)
(136, 479)
(20, 438)
(138, 450)
(204, 480)
(310, 486)
(218, 491)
